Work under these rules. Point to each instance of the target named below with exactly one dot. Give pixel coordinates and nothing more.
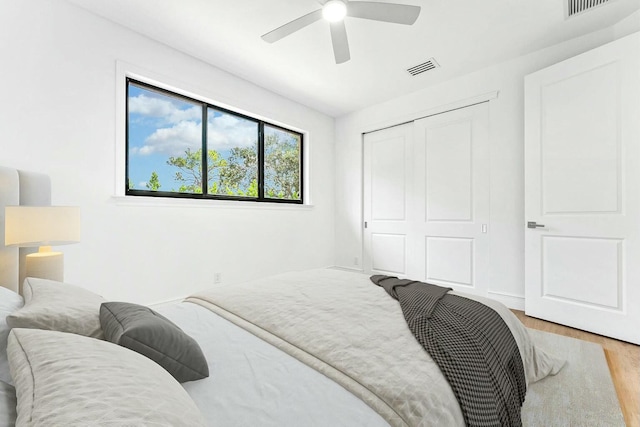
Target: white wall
(507, 167)
(627, 26)
(58, 116)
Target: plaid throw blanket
(472, 346)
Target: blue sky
(161, 126)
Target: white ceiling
(462, 35)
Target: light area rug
(581, 394)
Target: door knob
(533, 224)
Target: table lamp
(43, 227)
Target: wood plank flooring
(623, 359)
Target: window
(235, 157)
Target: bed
(324, 347)
(259, 376)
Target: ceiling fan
(335, 11)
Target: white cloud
(162, 109)
(184, 132)
(173, 141)
(226, 131)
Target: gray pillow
(143, 330)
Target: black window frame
(205, 107)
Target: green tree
(189, 173)
(238, 175)
(282, 167)
(154, 182)
(190, 170)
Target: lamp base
(45, 265)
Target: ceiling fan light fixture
(334, 10)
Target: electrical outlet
(356, 261)
(217, 278)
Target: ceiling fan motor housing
(334, 10)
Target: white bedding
(344, 326)
(251, 380)
(7, 405)
(254, 383)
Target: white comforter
(366, 347)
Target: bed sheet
(252, 381)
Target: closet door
(388, 174)
(426, 200)
(582, 191)
(451, 176)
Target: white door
(426, 200)
(387, 199)
(582, 191)
(451, 176)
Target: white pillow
(70, 380)
(9, 302)
(58, 306)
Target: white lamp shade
(28, 226)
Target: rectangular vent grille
(575, 7)
(429, 65)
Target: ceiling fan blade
(292, 27)
(387, 12)
(340, 42)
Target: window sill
(168, 202)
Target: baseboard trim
(342, 268)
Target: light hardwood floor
(623, 359)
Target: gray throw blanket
(472, 346)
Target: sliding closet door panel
(440, 251)
(387, 199)
(451, 178)
(388, 253)
(449, 192)
(388, 177)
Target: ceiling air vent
(575, 7)
(425, 66)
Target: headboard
(25, 188)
